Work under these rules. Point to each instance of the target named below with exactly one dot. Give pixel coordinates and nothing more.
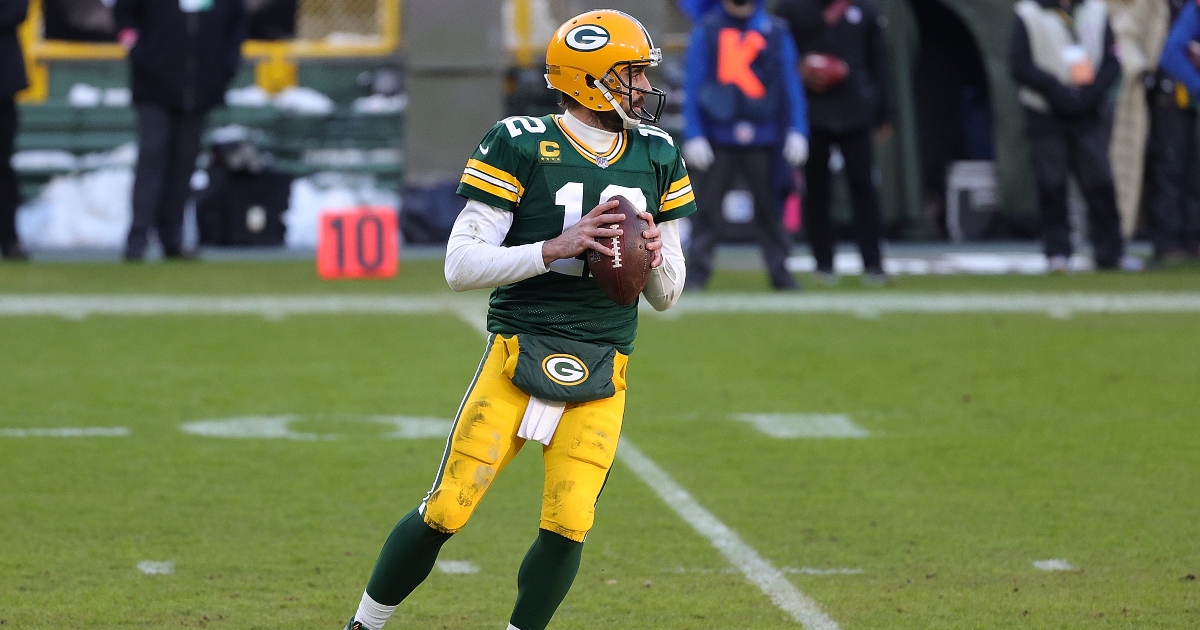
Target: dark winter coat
(182, 61)
(864, 99)
(12, 62)
(1066, 101)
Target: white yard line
(65, 432)
(470, 307)
(786, 426)
(457, 567)
(1053, 304)
(279, 427)
(1057, 564)
(155, 567)
(474, 315)
(756, 569)
(784, 570)
(74, 306)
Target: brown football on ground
(623, 276)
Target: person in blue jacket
(1175, 59)
(744, 105)
(1175, 207)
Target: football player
(538, 196)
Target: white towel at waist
(541, 420)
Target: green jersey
(535, 169)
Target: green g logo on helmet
(587, 37)
(564, 369)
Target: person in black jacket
(182, 55)
(12, 80)
(1062, 54)
(846, 105)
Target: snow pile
(86, 210)
(380, 104)
(44, 160)
(56, 160)
(84, 95)
(327, 191)
(307, 101)
(296, 99)
(303, 100)
(93, 209)
(249, 96)
(124, 156)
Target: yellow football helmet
(587, 56)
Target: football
(822, 72)
(623, 276)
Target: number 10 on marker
(358, 243)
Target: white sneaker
(1060, 264)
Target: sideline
(78, 306)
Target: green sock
(406, 559)
(545, 577)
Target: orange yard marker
(359, 242)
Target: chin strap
(627, 122)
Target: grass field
(993, 441)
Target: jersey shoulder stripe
(497, 170)
(677, 199)
(679, 195)
(493, 180)
(474, 181)
(502, 177)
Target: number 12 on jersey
(570, 197)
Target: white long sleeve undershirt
(666, 280)
(477, 259)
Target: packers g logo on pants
(564, 369)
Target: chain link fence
(339, 20)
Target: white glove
(698, 152)
(795, 149)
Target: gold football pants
(484, 440)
